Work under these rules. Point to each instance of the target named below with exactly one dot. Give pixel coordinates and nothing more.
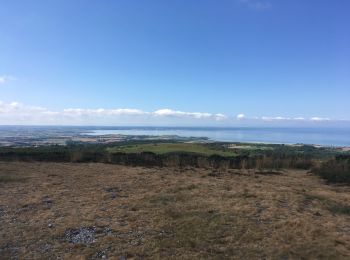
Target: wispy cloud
(6, 78)
(280, 118)
(317, 119)
(256, 4)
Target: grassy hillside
(94, 211)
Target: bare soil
(89, 211)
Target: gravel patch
(83, 235)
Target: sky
(181, 62)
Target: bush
(336, 170)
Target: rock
(47, 202)
(318, 214)
(2, 211)
(102, 254)
(83, 235)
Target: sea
(290, 135)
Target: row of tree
(98, 153)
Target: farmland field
(162, 148)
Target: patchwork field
(163, 148)
(78, 211)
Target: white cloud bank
(16, 113)
(196, 115)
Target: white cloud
(240, 117)
(197, 115)
(15, 108)
(13, 113)
(102, 112)
(267, 118)
(318, 119)
(137, 112)
(220, 117)
(256, 4)
(6, 78)
(17, 113)
(280, 118)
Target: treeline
(336, 170)
(213, 161)
(54, 153)
(281, 157)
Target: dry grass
(154, 213)
(10, 177)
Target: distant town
(32, 136)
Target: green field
(163, 148)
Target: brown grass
(164, 213)
(10, 177)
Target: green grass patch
(246, 146)
(337, 208)
(164, 148)
(193, 229)
(164, 199)
(331, 205)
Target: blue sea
(316, 136)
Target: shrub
(336, 170)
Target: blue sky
(175, 62)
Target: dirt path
(58, 210)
